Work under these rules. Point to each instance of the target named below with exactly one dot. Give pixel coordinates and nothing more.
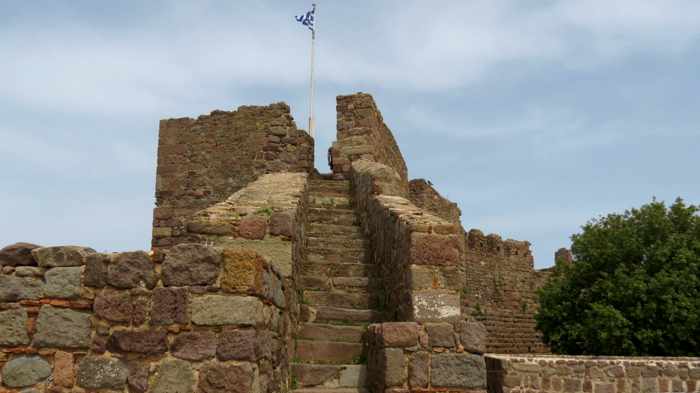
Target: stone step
(328, 352)
(321, 281)
(332, 216)
(327, 332)
(329, 375)
(337, 185)
(330, 201)
(331, 390)
(351, 283)
(341, 242)
(344, 315)
(336, 269)
(354, 300)
(316, 229)
(335, 255)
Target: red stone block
(400, 334)
(253, 227)
(434, 249)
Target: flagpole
(311, 83)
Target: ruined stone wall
(205, 319)
(361, 133)
(203, 161)
(501, 291)
(425, 196)
(577, 374)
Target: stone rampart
(203, 161)
(577, 374)
(501, 291)
(204, 319)
(361, 133)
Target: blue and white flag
(308, 18)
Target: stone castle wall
(203, 161)
(361, 133)
(501, 291)
(214, 307)
(204, 319)
(577, 374)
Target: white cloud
(191, 51)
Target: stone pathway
(337, 301)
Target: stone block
(169, 306)
(253, 227)
(242, 271)
(429, 249)
(174, 376)
(191, 264)
(131, 270)
(281, 224)
(63, 369)
(25, 371)
(418, 370)
(352, 376)
(95, 274)
(237, 344)
(114, 306)
(423, 277)
(394, 366)
(61, 256)
(272, 288)
(137, 381)
(149, 341)
(13, 327)
(213, 310)
(18, 254)
(13, 288)
(97, 372)
(440, 335)
(472, 335)
(62, 328)
(63, 282)
(458, 370)
(399, 334)
(435, 305)
(225, 378)
(194, 346)
(29, 271)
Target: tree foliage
(633, 288)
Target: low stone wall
(362, 134)
(540, 373)
(205, 319)
(425, 357)
(418, 254)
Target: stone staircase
(337, 301)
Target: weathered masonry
(266, 276)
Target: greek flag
(308, 18)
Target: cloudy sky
(534, 118)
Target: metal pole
(311, 85)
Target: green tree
(633, 288)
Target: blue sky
(534, 118)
